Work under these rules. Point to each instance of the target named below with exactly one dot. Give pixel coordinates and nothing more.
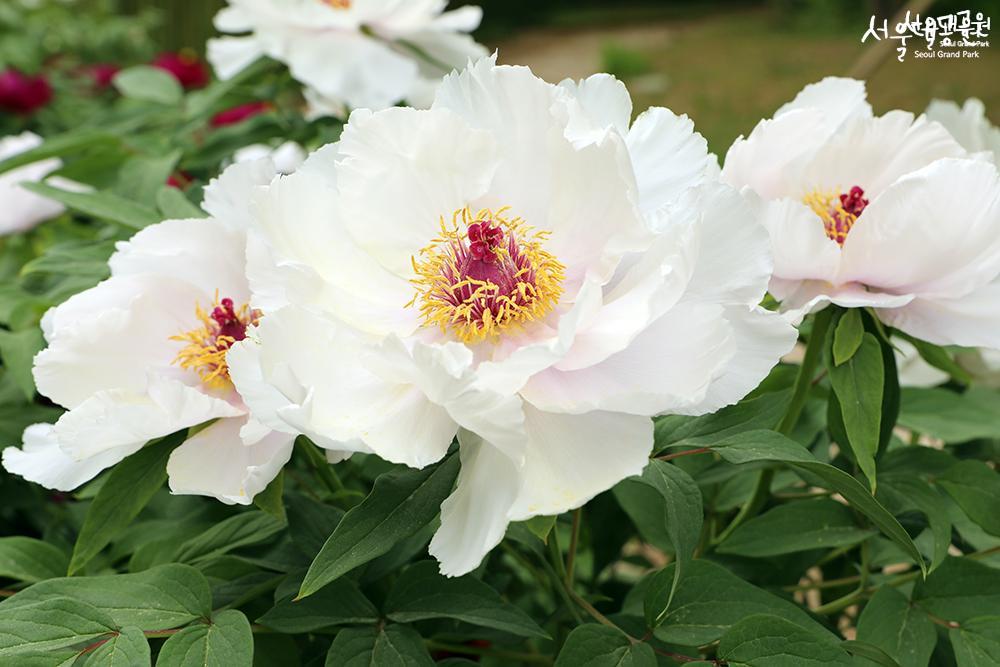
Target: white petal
(771, 159)
(969, 125)
(474, 517)
(263, 399)
(309, 257)
(972, 320)
(20, 208)
(668, 157)
(734, 251)
(935, 232)
(838, 98)
(227, 196)
(125, 334)
(402, 172)
(802, 250)
(231, 55)
(41, 460)
(799, 298)
(604, 104)
(215, 462)
(205, 252)
(116, 418)
(875, 152)
(913, 370)
(572, 458)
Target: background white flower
(887, 212)
(969, 125)
(20, 209)
(349, 54)
(142, 355)
(568, 277)
(286, 157)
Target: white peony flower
(20, 209)
(516, 266)
(143, 354)
(350, 54)
(286, 157)
(886, 212)
(969, 125)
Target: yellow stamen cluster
(527, 287)
(339, 4)
(205, 352)
(837, 221)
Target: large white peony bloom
(20, 209)
(142, 355)
(516, 266)
(886, 212)
(350, 54)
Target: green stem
(855, 595)
(321, 466)
(803, 381)
(574, 540)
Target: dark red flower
(186, 67)
(180, 180)
(102, 74)
(23, 94)
(239, 114)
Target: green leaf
(600, 646)
(46, 625)
(339, 603)
(421, 593)
(224, 642)
(763, 640)
(905, 492)
(31, 560)
(18, 350)
(163, 597)
(762, 412)
(84, 258)
(950, 416)
(401, 503)
(868, 653)
(859, 384)
(937, 357)
(310, 522)
(771, 446)
(976, 488)
(848, 336)
(60, 145)
(124, 493)
(235, 532)
(541, 526)
(175, 206)
(142, 177)
(977, 642)
(149, 84)
(393, 646)
(681, 512)
(270, 499)
(127, 647)
(103, 205)
(710, 599)
(902, 630)
(796, 526)
(959, 590)
(644, 506)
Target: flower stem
(574, 540)
(324, 471)
(803, 381)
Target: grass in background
(730, 70)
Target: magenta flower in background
(102, 74)
(186, 66)
(23, 94)
(239, 113)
